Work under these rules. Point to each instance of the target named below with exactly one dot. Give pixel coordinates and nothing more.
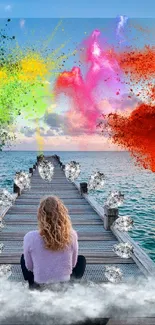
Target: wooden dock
(95, 243)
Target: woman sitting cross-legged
(51, 253)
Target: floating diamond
(115, 199)
(5, 271)
(123, 250)
(113, 274)
(1, 247)
(124, 223)
(46, 170)
(6, 199)
(22, 180)
(72, 170)
(96, 181)
(1, 225)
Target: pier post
(31, 171)
(110, 215)
(16, 189)
(34, 166)
(63, 167)
(83, 188)
(40, 158)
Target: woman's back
(48, 265)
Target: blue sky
(76, 8)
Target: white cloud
(8, 8)
(22, 23)
(78, 301)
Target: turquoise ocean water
(121, 174)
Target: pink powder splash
(103, 72)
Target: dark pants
(77, 272)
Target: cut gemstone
(96, 181)
(123, 250)
(5, 271)
(1, 247)
(72, 170)
(6, 198)
(22, 180)
(1, 225)
(124, 223)
(113, 274)
(115, 199)
(46, 170)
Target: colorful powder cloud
(135, 133)
(24, 78)
(102, 70)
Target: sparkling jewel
(124, 223)
(46, 170)
(123, 250)
(115, 199)
(1, 247)
(72, 170)
(1, 224)
(96, 181)
(113, 274)
(6, 198)
(22, 180)
(5, 271)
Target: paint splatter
(135, 133)
(102, 70)
(24, 79)
(139, 69)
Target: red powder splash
(139, 70)
(140, 63)
(136, 133)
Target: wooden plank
(71, 208)
(132, 321)
(14, 258)
(33, 212)
(34, 222)
(14, 236)
(33, 216)
(52, 187)
(61, 195)
(88, 254)
(35, 205)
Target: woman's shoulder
(31, 234)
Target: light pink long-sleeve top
(49, 266)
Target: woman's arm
(27, 253)
(75, 250)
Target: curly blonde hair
(54, 223)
